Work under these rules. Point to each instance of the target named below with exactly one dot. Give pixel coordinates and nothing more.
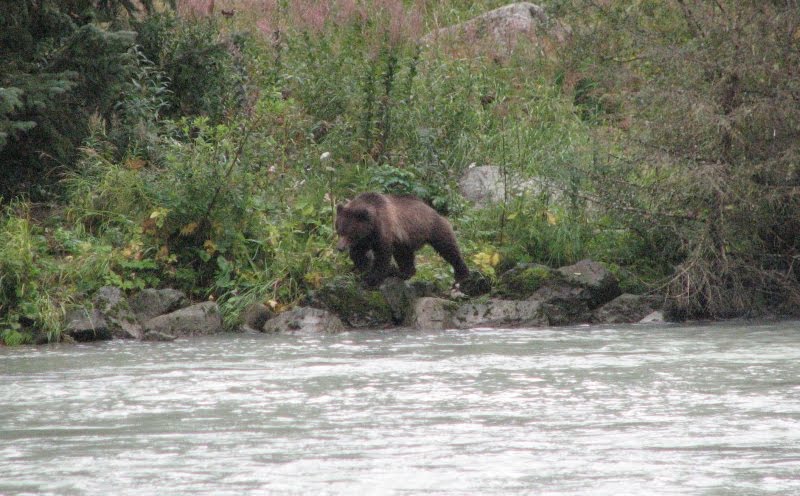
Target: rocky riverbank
(528, 295)
(150, 315)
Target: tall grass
(44, 269)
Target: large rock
(566, 312)
(255, 316)
(566, 295)
(149, 303)
(596, 284)
(499, 31)
(158, 336)
(84, 325)
(400, 297)
(600, 284)
(485, 185)
(430, 314)
(475, 285)
(117, 313)
(201, 319)
(626, 309)
(304, 320)
(656, 317)
(500, 313)
(423, 288)
(356, 306)
(523, 280)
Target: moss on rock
(523, 280)
(356, 306)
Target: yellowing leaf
(551, 219)
(210, 247)
(189, 228)
(135, 163)
(486, 261)
(132, 250)
(314, 279)
(163, 253)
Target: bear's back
(408, 219)
(415, 220)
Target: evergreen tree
(58, 66)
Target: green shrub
(703, 168)
(204, 69)
(31, 300)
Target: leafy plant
(705, 169)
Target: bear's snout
(343, 244)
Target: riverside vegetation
(177, 144)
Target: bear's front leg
(405, 263)
(361, 258)
(380, 267)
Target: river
(709, 409)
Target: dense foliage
(159, 144)
(708, 94)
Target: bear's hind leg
(447, 247)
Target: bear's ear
(361, 214)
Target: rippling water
(602, 411)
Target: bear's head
(353, 225)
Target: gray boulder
(117, 313)
(501, 29)
(400, 297)
(566, 312)
(356, 306)
(483, 185)
(597, 284)
(149, 303)
(500, 313)
(84, 325)
(475, 285)
(432, 314)
(423, 288)
(656, 317)
(563, 303)
(157, 336)
(304, 320)
(255, 316)
(201, 319)
(569, 294)
(523, 280)
(625, 308)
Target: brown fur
(375, 228)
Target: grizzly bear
(376, 227)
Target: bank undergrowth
(191, 158)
